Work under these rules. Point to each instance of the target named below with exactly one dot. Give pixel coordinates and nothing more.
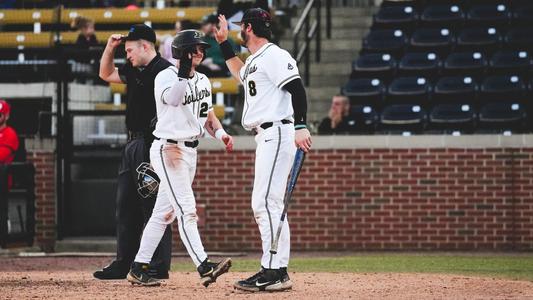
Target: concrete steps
(349, 26)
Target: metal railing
(311, 31)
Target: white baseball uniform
(264, 74)
(175, 164)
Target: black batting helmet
(187, 39)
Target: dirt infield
(55, 278)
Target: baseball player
(275, 111)
(184, 113)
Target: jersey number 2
(251, 88)
(203, 110)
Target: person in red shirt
(9, 141)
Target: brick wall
(45, 198)
(375, 199)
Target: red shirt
(9, 143)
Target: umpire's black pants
(133, 212)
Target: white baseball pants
(274, 156)
(176, 166)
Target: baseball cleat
(210, 271)
(268, 280)
(139, 275)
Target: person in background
(214, 64)
(165, 47)
(9, 141)
(86, 38)
(338, 120)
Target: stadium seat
(497, 15)
(438, 40)
(414, 90)
(481, 39)
(105, 15)
(419, 64)
(368, 91)
(399, 118)
(502, 116)
(402, 3)
(365, 118)
(510, 62)
(522, 16)
(450, 16)
(395, 17)
(465, 64)
(455, 89)
(390, 41)
(520, 39)
(452, 118)
(374, 65)
(503, 88)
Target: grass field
(516, 267)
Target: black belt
(187, 144)
(132, 135)
(267, 125)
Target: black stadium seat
(374, 65)
(390, 41)
(523, 16)
(401, 3)
(396, 17)
(502, 116)
(489, 15)
(367, 91)
(365, 117)
(520, 38)
(438, 40)
(400, 118)
(419, 64)
(510, 62)
(466, 64)
(503, 88)
(414, 90)
(481, 39)
(452, 117)
(455, 89)
(450, 16)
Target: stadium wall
(365, 193)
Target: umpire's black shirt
(140, 105)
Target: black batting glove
(186, 63)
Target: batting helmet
(186, 39)
(147, 180)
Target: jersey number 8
(251, 88)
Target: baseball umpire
(132, 211)
(275, 111)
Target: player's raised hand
(303, 139)
(228, 141)
(221, 33)
(114, 40)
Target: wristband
(220, 133)
(301, 126)
(227, 50)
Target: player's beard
(244, 37)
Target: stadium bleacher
(28, 40)
(438, 66)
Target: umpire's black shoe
(111, 272)
(210, 271)
(139, 275)
(269, 280)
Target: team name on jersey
(198, 95)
